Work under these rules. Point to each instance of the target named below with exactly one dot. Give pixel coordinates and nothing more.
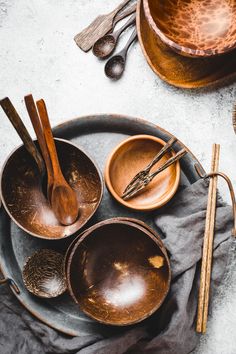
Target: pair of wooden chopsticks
(205, 279)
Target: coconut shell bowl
(118, 272)
(24, 197)
(130, 157)
(194, 28)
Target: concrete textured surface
(38, 55)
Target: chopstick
(205, 279)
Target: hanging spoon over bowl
(105, 45)
(115, 66)
(63, 198)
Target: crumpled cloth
(171, 330)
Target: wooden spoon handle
(35, 120)
(19, 126)
(120, 7)
(49, 138)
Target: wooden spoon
(35, 120)
(115, 66)
(63, 198)
(106, 44)
(23, 133)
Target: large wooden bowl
(25, 200)
(118, 272)
(194, 27)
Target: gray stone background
(38, 55)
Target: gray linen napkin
(171, 330)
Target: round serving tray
(97, 135)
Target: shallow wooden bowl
(131, 156)
(194, 28)
(25, 200)
(118, 273)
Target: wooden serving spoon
(63, 199)
(35, 120)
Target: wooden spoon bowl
(130, 157)
(118, 272)
(28, 206)
(194, 28)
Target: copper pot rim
(11, 154)
(182, 50)
(158, 204)
(88, 232)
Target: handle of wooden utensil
(125, 13)
(169, 162)
(130, 41)
(120, 7)
(11, 283)
(127, 24)
(161, 153)
(35, 120)
(19, 126)
(49, 137)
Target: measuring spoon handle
(23, 133)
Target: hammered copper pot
(118, 272)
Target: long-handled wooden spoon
(63, 199)
(35, 120)
(23, 133)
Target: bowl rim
(148, 207)
(198, 53)
(2, 199)
(154, 236)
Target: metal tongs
(143, 178)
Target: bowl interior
(118, 274)
(25, 199)
(208, 26)
(131, 157)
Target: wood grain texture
(35, 120)
(182, 71)
(23, 133)
(205, 279)
(63, 198)
(98, 28)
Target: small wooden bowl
(43, 274)
(131, 156)
(194, 28)
(25, 200)
(118, 273)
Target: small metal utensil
(99, 27)
(43, 274)
(115, 66)
(143, 181)
(105, 45)
(23, 133)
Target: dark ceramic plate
(97, 135)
